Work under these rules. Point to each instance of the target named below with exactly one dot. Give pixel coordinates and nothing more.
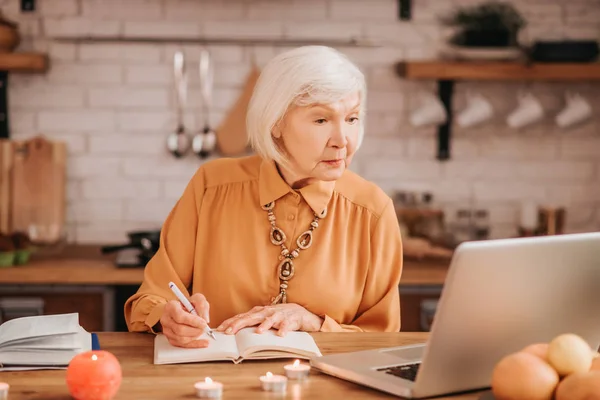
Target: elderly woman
(288, 239)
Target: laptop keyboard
(408, 371)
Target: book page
(67, 341)
(270, 345)
(44, 356)
(222, 349)
(39, 325)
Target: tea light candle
(273, 383)
(296, 370)
(209, 389)
(4, 390)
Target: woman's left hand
(283, 317)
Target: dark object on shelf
(133, 258)
(565, 51)
(484, 38)
(145, 241)
(491, 24)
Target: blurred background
(482, 123)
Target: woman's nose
(339, 137)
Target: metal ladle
(204, 141)
(178, 142)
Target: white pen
(186, 303)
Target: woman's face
(320, 140)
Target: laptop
(499, 296)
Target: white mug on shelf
(430, 112)
(577, 109)
(527, 112)
(478, 110)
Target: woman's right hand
(182, 328)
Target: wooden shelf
(447, 72)
(224, 41)
(23, 62)
(507, 71)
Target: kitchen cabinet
(417, 307)
(92, 303)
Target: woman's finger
(198, 344)
(269, 322)
(201, 305)
(185, 318)
(246, 321)
(227, 323)
(191, 344)
(186, 331)
(291, 323)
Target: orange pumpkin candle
(94, 375)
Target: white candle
(209, 389)
(4, 390)
(273, 383)
(296, 370)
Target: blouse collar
(272, 187)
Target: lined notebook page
(248, 340)
(223, 348)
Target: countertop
(144, 380)
(85, 265)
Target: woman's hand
(183, 328)
(283, 317)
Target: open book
(245, 345)
(42, 342)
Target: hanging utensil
(178, 142)
(204, 142)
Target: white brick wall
(134, 53)
(208, 10)
(102, 188)
(360, 11)
(92, 73)
(112, 103)
(307, 10)
(145, 10)
(121, 97)
(76, 121)
(77, 26)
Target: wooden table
(143, 380)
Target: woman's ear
(276, 131)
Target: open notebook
(42, 342)
(245, 345)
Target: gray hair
(302, 76)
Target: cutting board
(6, 153)
(38, 195)
(232, 139)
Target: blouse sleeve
(173, 262)
(380, 305)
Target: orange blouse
(216, 241)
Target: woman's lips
(333, 163)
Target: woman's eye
(353, 120)
(321, 121)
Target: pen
(186, 303)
